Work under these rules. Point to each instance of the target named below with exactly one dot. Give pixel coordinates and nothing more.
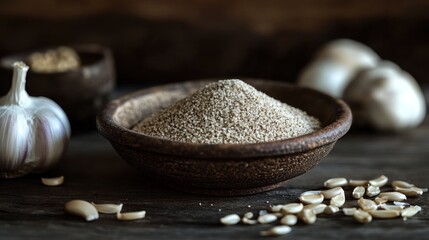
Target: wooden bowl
(81, 92)
(222, 169)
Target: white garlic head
(34, 131)
(336, 64)
(386, 98)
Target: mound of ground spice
(228, 111)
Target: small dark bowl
(81, 92)
(222, 169)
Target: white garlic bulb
(34, 131)
(336, 64)
(386, 98)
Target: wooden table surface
(94, 172)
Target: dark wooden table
(94, 172)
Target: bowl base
(224, 192)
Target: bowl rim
(118, 134)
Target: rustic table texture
(94, 172)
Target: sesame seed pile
(228, 111)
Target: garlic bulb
(386, 98)
(336, 64)
(34, 131)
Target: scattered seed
(392, 207)
(362, 216)
(338, 200)
(372, 191)
(331, 210)
(317, 207)
(381, 200)
(358, 192)
(249, 221)
(349, 211)
(316, 192)
(262, 212)
(409, 192)
(335, 182)
(52, 182)
(307, 213)
(230, 219)
(308, 216)
(356, 183)
(276, 208)
(402, 184)
(410, 211)
(330, 193)
(393, 196)
(267, 218)
(292, 208)
(400, 203)
(276, 231)
(82, 209)
(289, 220)
(108, 208)
(130, 216)
(311, 199)
(367, 205)
(248, 215)
(385, 213)
(379, 182)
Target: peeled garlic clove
(336, 64)
(386, 98)
(130, 216)
(52, 182)
(81, 209)
(34, 131)
(108, 208)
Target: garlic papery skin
(34, 131)
(336, 64)
(386, 98)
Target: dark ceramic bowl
(81, 92)
(222, 169)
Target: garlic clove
(353, 53)
(50, 141)
(386, 98)
(335, 65)
(52, 131)
(325, 75)
(13, 152)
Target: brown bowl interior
(80, 92)
(222, 169)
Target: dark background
(158, 41)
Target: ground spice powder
(228, 111)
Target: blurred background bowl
(222, 169)
(81, 92)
